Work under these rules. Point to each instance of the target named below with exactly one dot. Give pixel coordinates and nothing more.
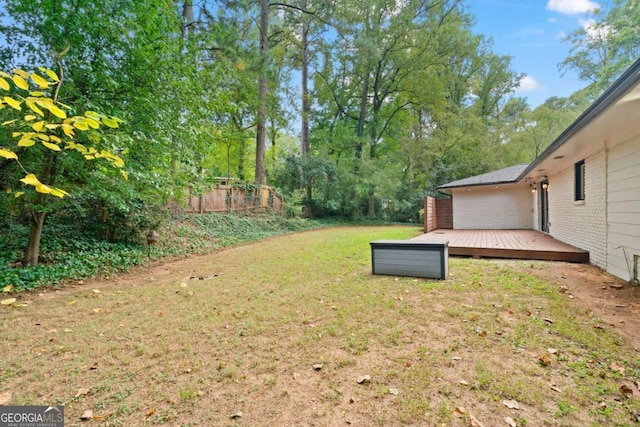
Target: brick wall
(506, 207)
(581, 223)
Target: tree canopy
(350, 108)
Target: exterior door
(544, 206)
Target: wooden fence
(229, 198)
(438, 213)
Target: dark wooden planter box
(410, 258)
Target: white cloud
(594, 31)
(529, 84)
(572, 7)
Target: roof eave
(628, 79)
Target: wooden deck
(520, 244)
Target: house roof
(503, 176)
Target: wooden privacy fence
(438, 213)
(229, 198)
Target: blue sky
(531, 31)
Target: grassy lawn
(232, 339)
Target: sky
(531, 32)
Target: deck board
(521, 244)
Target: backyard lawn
(296, 331)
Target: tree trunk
(371, 208)
(362, 117)
(304, 136)
(32, 251)
(262, 94)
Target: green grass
(163, 347)
(70, 254)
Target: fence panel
(227, 198)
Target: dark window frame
(579, 193)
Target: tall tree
(261, 136)
(606, 45)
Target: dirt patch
(614, 301)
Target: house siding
(486, 208)
(623, 207)
(581, 223)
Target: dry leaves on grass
(82, 391)
(5, 398)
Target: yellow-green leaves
(51, 146)
(52, 74)
(31, 104)
(20, 82)
(7, 154)
(12, 103)
(46, 121)
(42, 83)
(110, 121)
(32, 180)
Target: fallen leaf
(7, 288)
(394, 391)
(554, 388)
(72, 302)
(151, 412)
(546, 319)
(626, 390)
(87, 415)
(511, 404)
(510, 422)
(5, 398)
(463, 382)
(97, 310)
(617, 368)
(81, 392)
(457, 358)
(183, 285)
(364, 379)
(552, 350)
(474, 421)
(459, 411)
(236, 415)
(544, 360)
(318, 366)
(96, 291)
(7, 301)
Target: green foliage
(606, 46)
(312, 181)
(72, 251)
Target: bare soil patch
(609, 298)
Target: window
(579, 175)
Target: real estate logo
(31, 416)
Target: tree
(43, 128)
(606, 46)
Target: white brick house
(583, 190)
